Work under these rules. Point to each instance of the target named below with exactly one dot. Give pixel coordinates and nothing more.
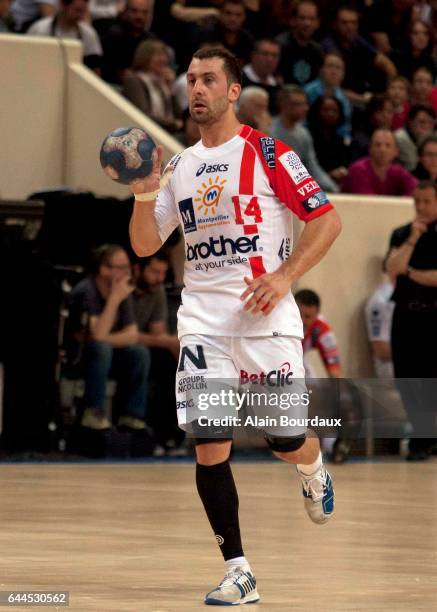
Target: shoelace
(312, 486)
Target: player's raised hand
(264, 292)
(150, 183)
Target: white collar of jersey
(211, 152)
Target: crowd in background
(350, 85)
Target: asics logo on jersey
(220, 247)
(212, 168)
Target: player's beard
(213, 113)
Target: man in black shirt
(151, 312)
(301, 56)
(122, 39)
(367, 70)
(229, 31)
(412, 265)
(262, 69)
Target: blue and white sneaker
(237, 587)
(318, 494)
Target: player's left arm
(267, 290)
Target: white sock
(312, 468)
(237, 562)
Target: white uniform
(379, 314)
(234, 202)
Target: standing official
(412, 265)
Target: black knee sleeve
(285, 445)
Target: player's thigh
(205, 371)
(272, 369)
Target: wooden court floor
(134, 537)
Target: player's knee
(211, 452)
(285, 445)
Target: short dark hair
(377, 103)
(230, 62)
(261, 41)
(295, 6)
(308, 297)
(161, 255)
(102, 256)
(431, 138)
(289, 90)
(420, 108)
(427, 184)
(314, 112)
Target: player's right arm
(154, 214)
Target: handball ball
(127, 154)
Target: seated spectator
(423, 10)
(149, 85)
(102, 317)
(274, 17)
(180, 24)
(229, 31)
(398, 94)
(70, 22)
(422, 89)
(253, 108)
(317, 333)
(122, 39)
(301, 55)
(329, 83)
(378, 115)
(379, 313)
(377, 174)
(262, 69)
(288, 127)
(5, 17)
(103, 14)
(417, 51)
(421, 123)
(26, 12)
(151, 311)
(253, 23)
(427, 166)
(359, 56)
(324, 118)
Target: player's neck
(218, 133)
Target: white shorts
(226, 382)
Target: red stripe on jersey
(257, 266)
(247, 170)
(250, 229)
(245, 131)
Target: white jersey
(234, 203)
(379, 314)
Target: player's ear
(234, 92)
